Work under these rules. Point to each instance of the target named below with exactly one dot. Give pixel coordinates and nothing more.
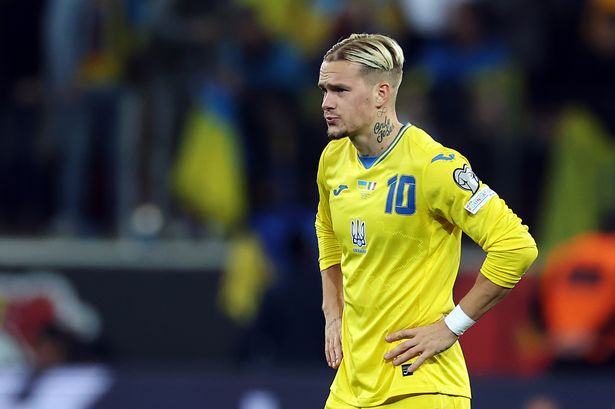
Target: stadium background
(157, 190)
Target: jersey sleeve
(455, 193)
(330, 252)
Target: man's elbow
(527, 256)
(506, 267)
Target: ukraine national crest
(357, 231)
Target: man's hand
(423, 342)
(333, 342)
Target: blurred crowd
(176, 118)
(190, 119)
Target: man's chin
(335, 135)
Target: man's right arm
(329, 261)
(332, 308)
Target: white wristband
(458, 321)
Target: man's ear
(383, 93)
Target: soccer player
(393, 206)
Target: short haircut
(376, 53)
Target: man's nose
(327, 101)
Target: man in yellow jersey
(393, 206)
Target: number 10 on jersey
(402, 190)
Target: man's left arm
(510, 252)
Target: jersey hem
(415, 390)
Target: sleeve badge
(466, 179)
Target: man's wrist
(329, 322)
(458, 321)
(332, 313)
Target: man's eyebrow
(329, 85)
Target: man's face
(348, 99)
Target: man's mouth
(331, 120)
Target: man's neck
(379, 136)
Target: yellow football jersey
(395, 227)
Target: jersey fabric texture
(395, 229)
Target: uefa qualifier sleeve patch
(466, 179)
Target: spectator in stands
(93, 119)
(578, 300)
(476, 92)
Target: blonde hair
(376, 53)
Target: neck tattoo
(383, 129)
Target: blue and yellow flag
(209, 174)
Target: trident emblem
(357, 230)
